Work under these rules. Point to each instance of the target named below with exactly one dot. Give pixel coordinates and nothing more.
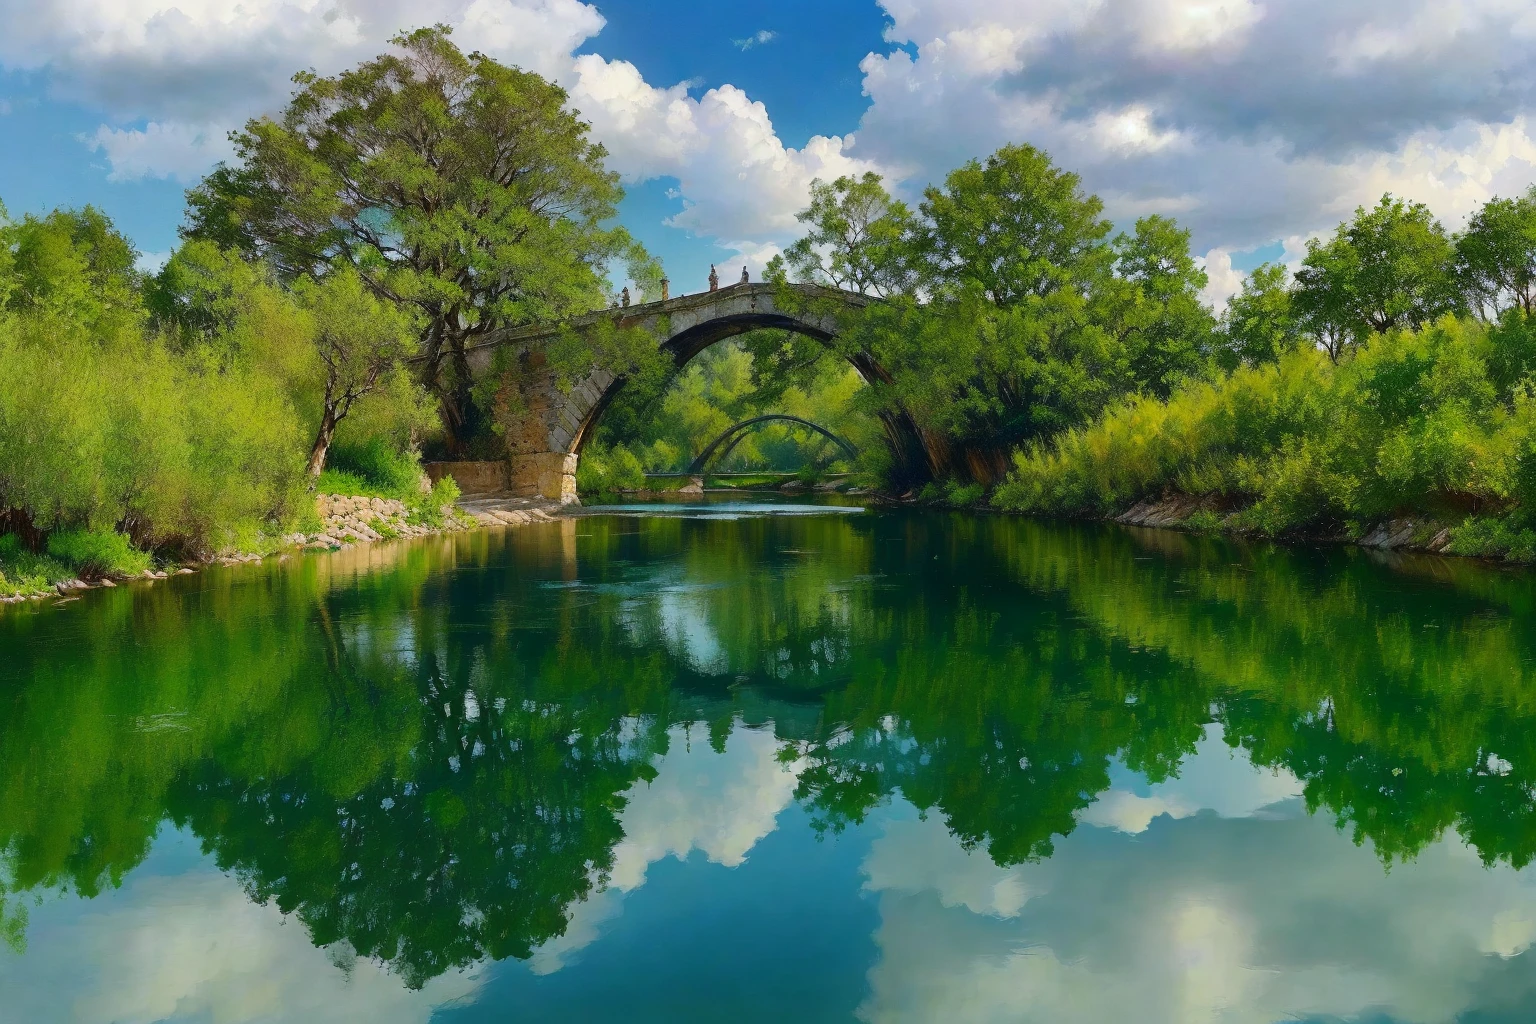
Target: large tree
(1391, 266)
(459, 188)
(1496, 257)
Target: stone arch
(738, 431)
(554, 424)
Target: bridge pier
(550, 475)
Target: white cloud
(758, 38)
(738, 178)
(1251, 122)
(1215, 777)
(1222, 280)
(174, 150)
(177, 75)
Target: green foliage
(25, 573)
(1260, 324)
(97, 553)
(1389, 267)
(1013, 316)
(460, 188)
(375, 464)
(668, 420)
(359, 340)
(434, 508)
(1414, 422)
(1496, 257)
(857, 239)
(607, 471)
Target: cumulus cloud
(738, 179)
(173, 150)
(177, 75)
(198, 68)
(1214, 778)
(1250, 122)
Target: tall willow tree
(460, 189)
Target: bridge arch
(737, 431)
(553, 424)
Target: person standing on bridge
(744, 278)
(714, 279)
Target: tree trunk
(322, 444)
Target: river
(765, 763)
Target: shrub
(603, 470)
(25, 573)
(98, 553)
(377, 465)
(1414, 421)
(964, 495)
(434, 508)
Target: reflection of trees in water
(431, 766)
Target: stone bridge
(545, 443)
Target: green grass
(98, 553)
(24, 573)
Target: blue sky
(1256, 124)
(800, 58)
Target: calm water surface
(733, 764)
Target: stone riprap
(359, 520)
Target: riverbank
(345, 521)
(1195, 514)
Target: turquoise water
(776, 762)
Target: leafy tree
(1174, 329)
(360, 339)
(1389, 267)
(459, 189)
(1015, 227)
(71, 265)
(858, 238)
(1260, 323)
(1496, 257)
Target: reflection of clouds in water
(1216, 778)
(676, 616)
(193, 946)
(1198, 917)
(721, 804)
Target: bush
(98, 553)
(376, 465)
(964, 495)
(603, 470)
(1414, 423)
(25, 573)
(434, 508)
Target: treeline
(1079, 372)
(314, 320)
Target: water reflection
(1077, 773)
